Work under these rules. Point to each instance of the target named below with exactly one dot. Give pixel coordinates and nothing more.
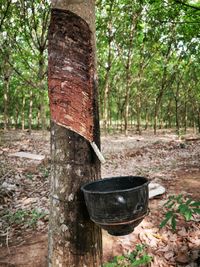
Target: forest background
(148, 64)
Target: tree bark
(16, 116)
(6, 82)
(138, 108)
(135, 17)
(186, 111)
(107, 75)
(105, 100)
(74, 240)
(30, 115)
(6, 89)
(198, 119)
(23, 112)
(43, 110)
(146, 118)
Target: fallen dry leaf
(182, 257)
(168, 255)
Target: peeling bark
(71, 72)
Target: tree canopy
(148, 64)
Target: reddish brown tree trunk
(73, 239)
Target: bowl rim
(115, 191)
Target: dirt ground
(166, 159)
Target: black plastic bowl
(117, 204)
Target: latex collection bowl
(117, 204)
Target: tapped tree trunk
(74, 240)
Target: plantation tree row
(148, 64)
(23, 61)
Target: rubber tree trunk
(107, 75)
(6, 83)
(30, 115)
(135, 18)
(23, 112)
(73, 239)
(42, 89)
(6, 91)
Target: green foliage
(29, 176)
(24, 53)
(17, 217)
(24, 217)
(138, 257)
(163, 61)
(34, 216)
(179, 206)
(156, 72)
(45, 171)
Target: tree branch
(4, 14)
(187, 5)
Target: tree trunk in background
(134, 21)
(109, 63)
(169, 115)
(16, 117)
(42, 89)
(146, 119)
(105, 100)
(126, 113)
(43, 110)
(185, 111)
(6, 80)
(30, 115)
(198, 119)
(138, 109)
(23, 112)
(164, 83)
(177, 115)
(6, 89)
(193, 120)
(38, 118)
(156, 110)
(74, 240)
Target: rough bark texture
(71, 70)
(73, 239)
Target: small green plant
(34, 216)
(45, 171)
(24, 217)
(18, 217)
(138, 257)
(29, 176)
(179, 206)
